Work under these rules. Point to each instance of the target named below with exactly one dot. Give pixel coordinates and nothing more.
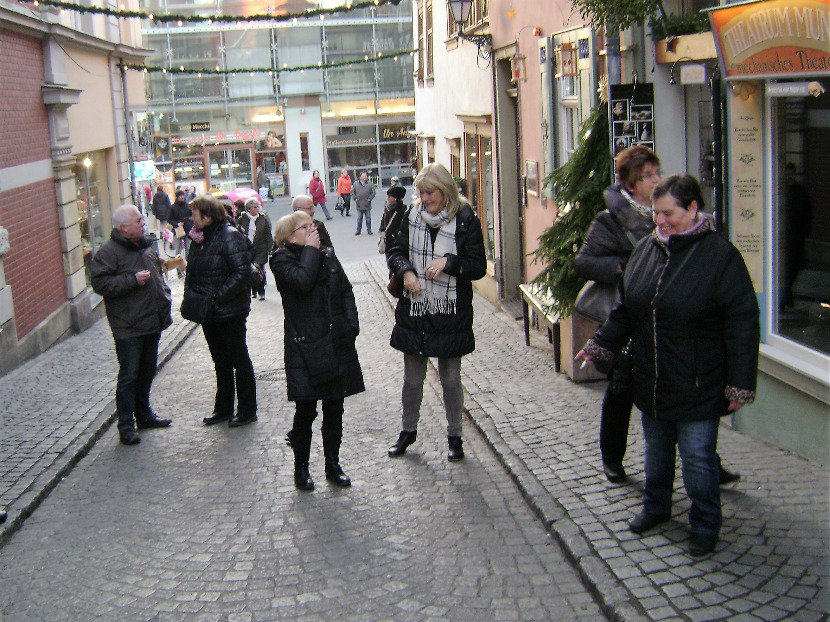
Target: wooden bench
(534, 302)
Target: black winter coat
(606, 244)
(391, 221)
(317, 297)
(133, 310)
(441, 335)
(221, 265)
(161, 205)
(695, 342)
(179, 213)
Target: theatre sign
(773, 39)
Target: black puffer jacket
(133, 310)
(161, 205)
(221, 265)
(317, 295)
(607, 245)
(695, 342)
(441, 335)
(391, 221)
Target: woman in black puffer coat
(438, 253)
(317, 299)
(691, 309)
(603, 258)
(219, 264)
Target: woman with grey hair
(438, 253)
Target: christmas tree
(577, 192)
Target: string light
(179, 18)
(270, 70)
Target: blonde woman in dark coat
(318, 300)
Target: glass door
(230, 167)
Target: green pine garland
(174, 17)
(205, 71)
(578, 186)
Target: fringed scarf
(438, 295)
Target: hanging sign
(632, 115)
(773, 39)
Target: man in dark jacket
(363, 191)
(305, 203)
(179, 215)
(126, 271)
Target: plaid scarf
(438, 295)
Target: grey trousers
(414, 373)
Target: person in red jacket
(317, 189)
(344, 189)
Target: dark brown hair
(631, 162)
(209, 206)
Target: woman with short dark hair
(690, 307)
(219, 264)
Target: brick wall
(34, 266)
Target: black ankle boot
(405, 439)
(302, 478)
(335, 474)
(456, 452)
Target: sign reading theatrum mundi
(773, 39)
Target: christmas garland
(269, 70)
(180, 19)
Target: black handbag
(197, 307)
(595, 301)
(319, 357)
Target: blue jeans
(137, 364)
(227, 342)
(697, 442)
(367, 214)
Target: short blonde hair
(435, 176)
(288, 224)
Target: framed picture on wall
(532, 176)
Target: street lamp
(460, 10)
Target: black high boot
(331, 450)
(456, 450)
(301, 444)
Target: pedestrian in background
(344, 189)
(161, 207)
(256, 225)
(126, 272)
(219, 265)
(321, 325)
(438, 253)
(363, 191)
(179, 215)
(690, 307)
(304, 203)
(317, 189)
(393, 215)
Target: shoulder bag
(320, 360)
(197, 307)
(596, 300)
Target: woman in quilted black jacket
(219, 264)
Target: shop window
(479, 189)
(429, 40)
(801, 222)
(94, 217)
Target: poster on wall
(632, 116)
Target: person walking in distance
(126, 272)
(317, 190)
(363, 191)
(344, 189)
